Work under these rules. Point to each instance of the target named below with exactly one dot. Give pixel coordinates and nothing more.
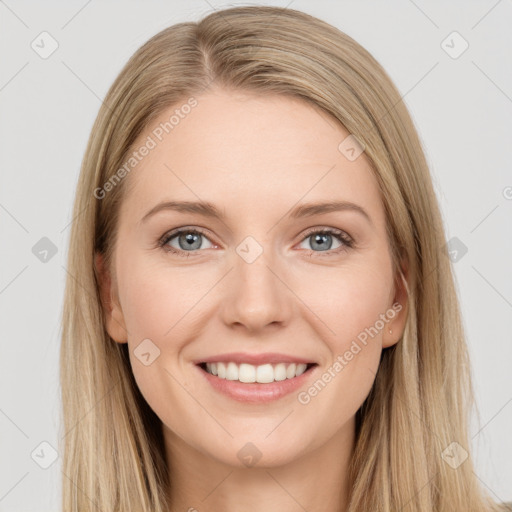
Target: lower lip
(256, 392)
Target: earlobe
(399, 304)
(114, 319)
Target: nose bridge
(256, 297)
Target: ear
(115, 323)
(399, 305)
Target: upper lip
(254, 359)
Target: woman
(227, 356)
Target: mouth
(256, 378)
(250, 384)
(256, 374)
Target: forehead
(248, 153)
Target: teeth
(263, 374)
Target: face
(269, 275)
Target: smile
(256, 384)
(263, 374)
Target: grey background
(461, 106)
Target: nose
(256, 295)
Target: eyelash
(348, 242)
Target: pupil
(322, 237)
(190, 239)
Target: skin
(255, 158)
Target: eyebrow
(207, 209)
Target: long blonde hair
(112, 444)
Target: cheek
(156, 299)
(158, 304)
(352, 304)
(350, 301)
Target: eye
(188, 240)
(321, 239)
